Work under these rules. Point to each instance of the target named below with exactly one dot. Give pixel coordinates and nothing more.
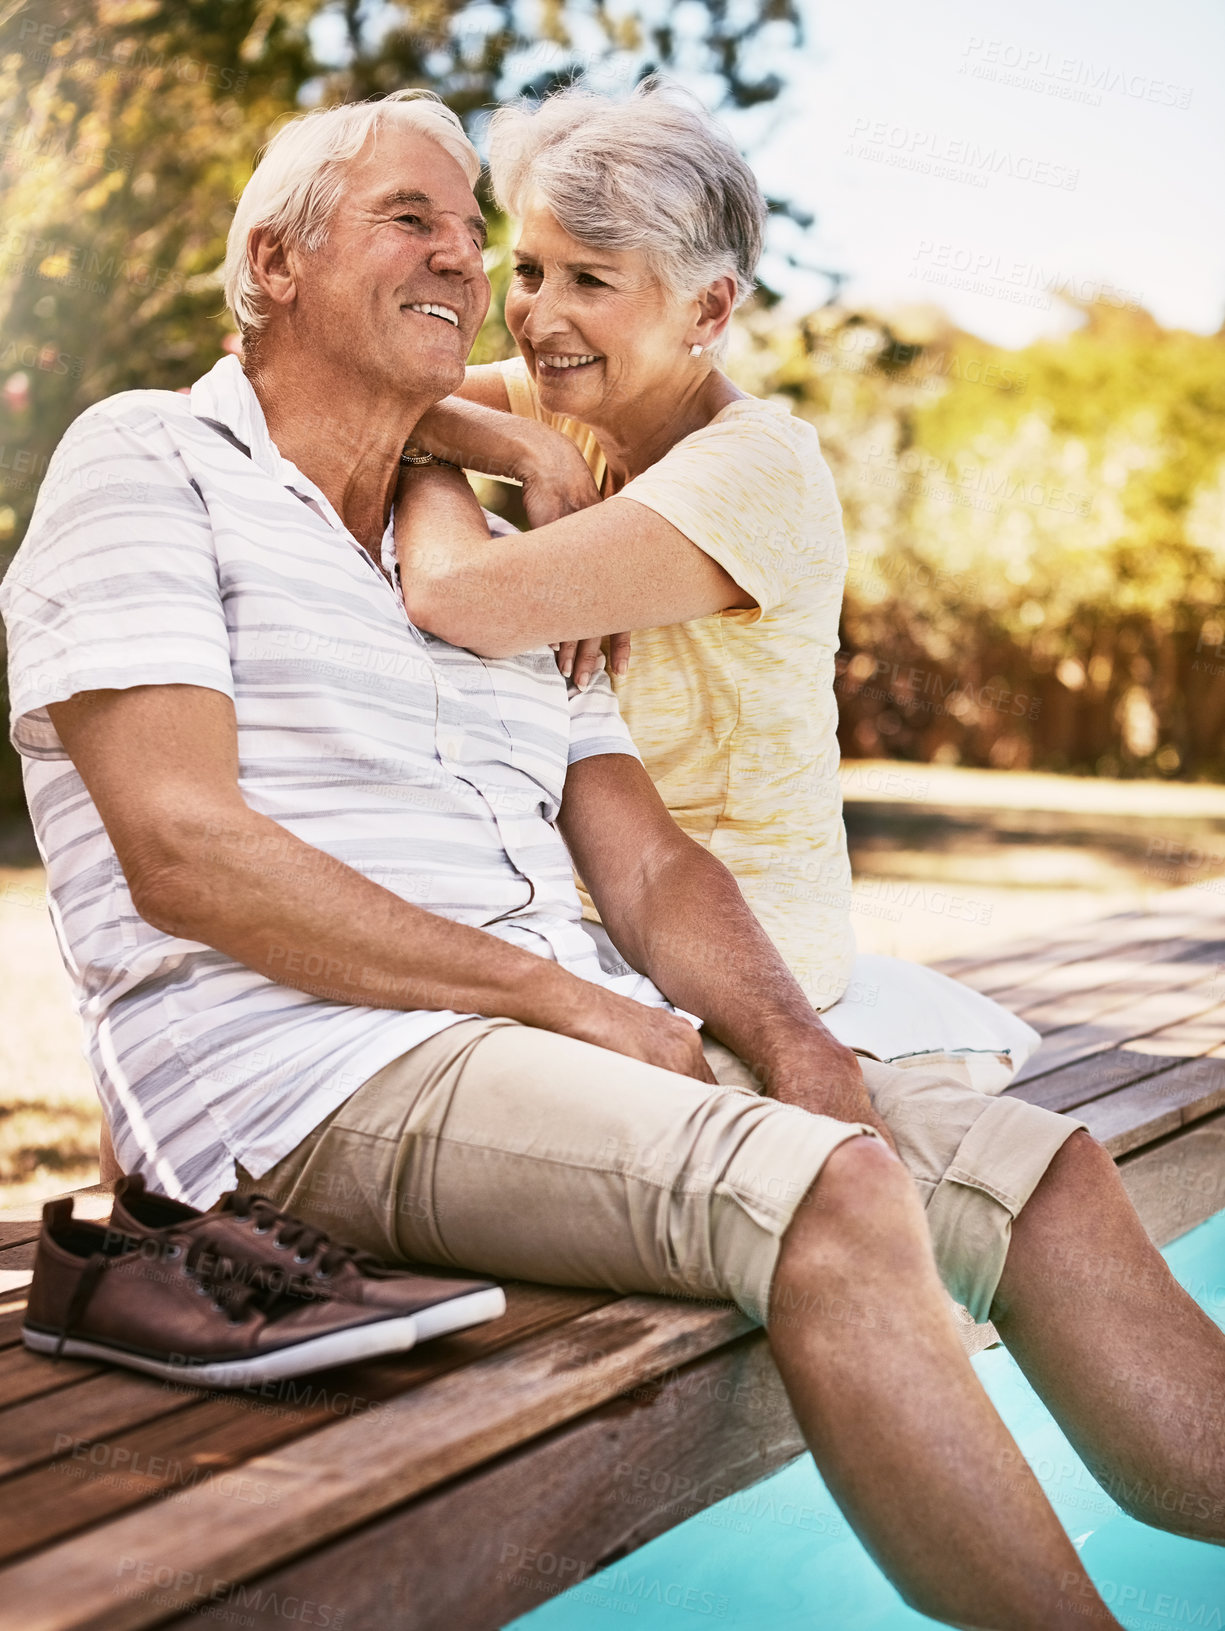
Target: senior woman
(665, 500)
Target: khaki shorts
(517, 1153)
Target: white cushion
(904, 1013)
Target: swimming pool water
(778, 1556)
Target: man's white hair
(300, 177)
(653, 171)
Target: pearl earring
(695, 350)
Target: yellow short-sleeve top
(735, 715)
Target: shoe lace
(84, 1289)
(312, 1245)
(237, 1289)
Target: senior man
(308, 869)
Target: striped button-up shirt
(173, 545)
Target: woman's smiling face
(596, 327)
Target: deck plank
(1085, 1079)
(471, 1555)
(17, 1265)
(20, 1224)
(349, 1472)
(1118, 1025)
(12, 1312)
(1140, 1114)
(998, 969)
(1142, 962)
(24, 1375)
(1052, 943)
(1071, 1085)
(1104, 1078)
(182, 1436)
(34, 1432)
(1111, 983)
(1179, 1182)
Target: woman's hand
(583, 658)
(556, 481)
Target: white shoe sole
(320, 1353)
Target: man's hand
(816, 1072)
(609, 1020)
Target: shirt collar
(226, 396)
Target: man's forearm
(698, 940)
(246, 886)
(694, 934)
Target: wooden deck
(463, 1486)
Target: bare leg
(896, 1418)
(1127, 1363)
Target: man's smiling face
(398, 291)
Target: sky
(973, 153)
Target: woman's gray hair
(653, 171)
(300, 177)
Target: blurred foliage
(1037, 537)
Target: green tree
(1037, 537)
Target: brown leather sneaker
(251, 1229)
(173, 1306)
